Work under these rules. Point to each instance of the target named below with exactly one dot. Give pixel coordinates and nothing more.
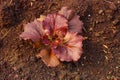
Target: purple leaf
(33, 31)
(65, 12)
(75, 25)
(72, 48)
(58, 32)
(55, 24)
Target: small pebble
(115, 22)
(77, 77)
(53, 73)
(14, 68)
(105, 46)
(89, 15)
(109, 17)
(16, 76)
(100, 11)
(118, 2)
(97, 34)
(62, 75)
(33, 59)
(112, 6)
(96, 21)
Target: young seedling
(58, 34)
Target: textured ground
(101, 57)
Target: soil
(101, 57)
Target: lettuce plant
(58, 34)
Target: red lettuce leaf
(72, 48)
(33, 31)
(75, 24)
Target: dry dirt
(101, 57)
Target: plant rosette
(58, 34)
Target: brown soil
(101, 57)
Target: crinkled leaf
(55, 24)
(72, 49)
(65, 12)
(59, 32)
(48, 57)
(33, 31)
(75, 25)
